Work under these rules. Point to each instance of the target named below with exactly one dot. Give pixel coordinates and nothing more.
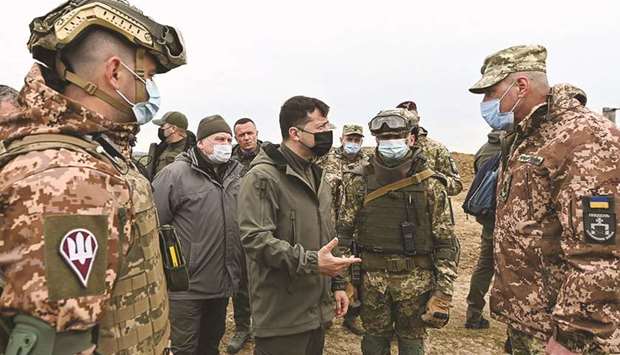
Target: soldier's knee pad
(375, 345)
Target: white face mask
(144, 111)
(393, 149)
(221, 153)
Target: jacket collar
(279, 161)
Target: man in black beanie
(197, 194)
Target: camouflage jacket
(557, 267)
(42, 192)
(444, 271)
(440, 160)
(335, 163)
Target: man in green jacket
(288, 235)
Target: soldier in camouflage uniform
(557, 255)
(174, 140)
(403, 225)
(79, 233)
(437, 155)
(346, 157)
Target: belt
(381, 262)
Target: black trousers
(307, 343)
(241, 300)
(197, 325)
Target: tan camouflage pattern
(499, 65)
(547, 276)
(440, 161)
(150, 327)
(402, 288)
(61, 182)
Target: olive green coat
(283, 225)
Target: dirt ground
(454, 338)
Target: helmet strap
(90, 88)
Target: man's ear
(113, 72)
(293, 133)
(523, 84)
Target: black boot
(237, 341)
(352, 321)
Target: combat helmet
(65, 24)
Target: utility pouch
(175, 267)
(407, 232)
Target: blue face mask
(494, 117)
(352, 148)
(144, 111)
(393, 149)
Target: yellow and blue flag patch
(599, 202)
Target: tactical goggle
(393, 122)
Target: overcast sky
(245, 58)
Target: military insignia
(79, 249)
(599, 219)
(531, 159)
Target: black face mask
(322, 142)
(160, 134)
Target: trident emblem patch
(79, 248)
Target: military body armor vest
(135, 320)
(381, 219)
(139, 299)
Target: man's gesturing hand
(331, 265)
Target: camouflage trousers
(393, 303)
(524, 344)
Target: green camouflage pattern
(440, 161)
(350, 129)
(523, 344)
(334, 164)
(499, 65)
(169, 154)
(384, 290)
(393, 303)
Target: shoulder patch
(599, 219)
(75, 255)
